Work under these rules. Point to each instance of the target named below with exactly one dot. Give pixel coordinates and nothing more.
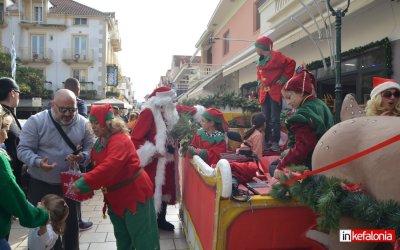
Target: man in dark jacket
(9, 99)
(74, 85)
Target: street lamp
(339, 13)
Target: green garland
(385, 43)
(330, 201)
(184, 130)
(225, 100)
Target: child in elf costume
(209, 141)
(273, 70)
(310, 121)
(128, 190)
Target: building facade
(64, 38)
(304, 30)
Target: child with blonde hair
(13, 201)
(45, 237)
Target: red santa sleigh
(212, 220)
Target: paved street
(101, 236)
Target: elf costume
(311, 120)
(211, 145)
(127, 190)
(156, 149)
(273, 70)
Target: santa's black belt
(123, 183)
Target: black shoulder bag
(64, 136)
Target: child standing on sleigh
(209, 141)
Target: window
(37, 46)
(80, 47)
(357, 73)
(38, 14)
(80, 21)
(226, 42)
(257, 13)
(80, 74)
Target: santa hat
(195, 111)
(381, 84)
(264, 43)
(303, 81)
(213, 114)
(101, 114)
(163, 91)
(162, 95)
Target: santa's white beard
(170, 115)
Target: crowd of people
(140, 181)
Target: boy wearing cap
(385, 97)
(311, 120)
(9, 99)
(273, 70)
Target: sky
(152, 31)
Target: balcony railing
(115, 41)
(70, 56)
(27, 55)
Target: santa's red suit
(155, 147)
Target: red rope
(343, 161)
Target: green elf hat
(213, 114)
(101, 114)
(264, 43)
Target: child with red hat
(273, 70)
(384, 97)
(310, 121)
(209, 141)
(127, 189)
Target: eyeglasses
(388, 94)
(65, 110)
(17, 91)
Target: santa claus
(156, 148)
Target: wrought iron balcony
(115, 40)
(70, 56)
(27, 55)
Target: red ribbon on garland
(343, 161)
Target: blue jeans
(4, 245)
(272, 111)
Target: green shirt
(314, 113)
(13, 202)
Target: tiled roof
(70, 7)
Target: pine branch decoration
(184, 130)
(330, 201)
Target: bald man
(45, 152)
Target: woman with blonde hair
(385, 98)
(128, 190)
(13, 201)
